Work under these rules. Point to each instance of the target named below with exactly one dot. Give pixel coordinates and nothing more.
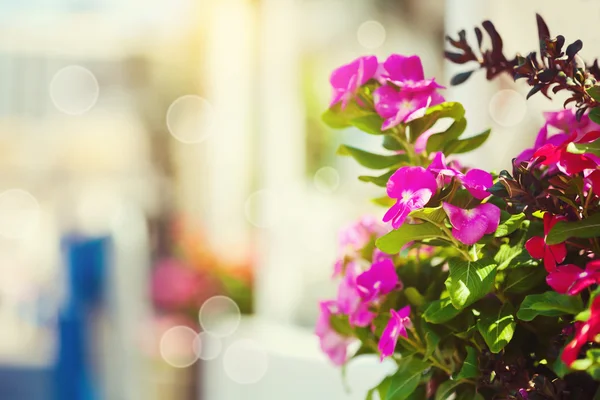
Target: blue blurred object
(86, 261)
(25, 383)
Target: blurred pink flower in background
(176, 286)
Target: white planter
(296, 369)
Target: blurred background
(170, 200)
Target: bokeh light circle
(326, 180)
(207, 346)
(371, 35)
(74, 90)
(19, 213)
(220, 316)
(190, 119)
(255, 209)
(508, 108)
(177, 346)
(246, 361)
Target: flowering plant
(190, 273)
(476, 284)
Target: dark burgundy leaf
(479, 35)
(534, 90)
(457, 58)
(543, 31)
(494, 36)
(460, 78)
(574, 48)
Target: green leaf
(384, 201)
(469, 281)
(509, 223)
(498, 327)
(452, 110)
(470, 367)
(370, 160)
(340, 324)
(594, 91)
(414, 297)
(337, 118)
(559, 367)
(595, 115)
(370, 123)
(465, 145)
(380, 180)
(392, 143)
(435, 215)
(584, 315)
(549, 304)
(392, 242)
(432, 340)
(583, 148)
(520, 280)
(406, 379)
(446, 389)
(436, 142)
(585, 228)
(440, 311)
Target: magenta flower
(469, 226)
(176, 286)
(395, 328)
(441, 170)
(477, 181)
(349, 299)
(551, 254)
(585, 333)
(332, 343)
(397, 107)
(566, 162)
(594, 181)
(354, 237)
(571, 279)
(379, 255)
(413, 187)
(407, 73)
(347, 79)
(565, 122)
(378, 280)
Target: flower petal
(536, 246)
(403, 68)
(563, 277)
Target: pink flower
(413, 187)
(441, 170)
(395, 328)
(566, 120)
(379, 255)
(378, 280)
(176, 286)
(566, 162)
(571, 279)
(477, 181)
(332, 343)
(566, 123)
(354, 237)
(397, 107)
(469, 226)
(594, 181)
(407, 73)
(585, 333)
(551, 254)
(347, 79)
(350, 301)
